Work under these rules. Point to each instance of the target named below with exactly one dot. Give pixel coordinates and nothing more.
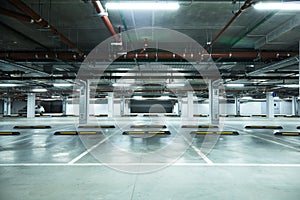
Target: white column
(8, 106)
(110, 104)
(190, 104)
(5, 107)
(179, 105)
(84, 99)
(295, 106)
(64, 105)
(269, 105)
(30, 105)
(213, 90)
(237, 106)
(126, 107)
(122, 105)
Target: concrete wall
(17, 105)
(248, 108)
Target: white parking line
(88, 150)
(271, 141)
(198, 151)
(149, 164)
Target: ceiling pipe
(16, 15)
(69, 56)
(246, 5)
(104, 16)
(43, 23)
(108, 77)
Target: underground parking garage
(186, 99)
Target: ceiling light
(246, 98)
(234, 85)
(62, 84)
(39, 90)
(121, 84)
(138, 97)
(294, 5)
(289, 86)
(175, 85)
(8, 85)
(166, 5)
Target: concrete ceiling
(261, 46)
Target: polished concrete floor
(253, 165)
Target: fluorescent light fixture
(289, 86)
(8, 85)
(138, 97)
(246, 98)
(294, 5)
(175, 84)
(121, 84)
(142, 5)
(39, 90)
(234, 85)
(62, 84)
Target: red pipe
(100, 10)
(42, 22)
(16, 15)
(246, 5)
(130, 56)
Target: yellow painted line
(290, 133)
(156, 132)
(9, 133)
(215, 132)
(87, 132)
(226, 133)
(204, 132)
(67, 133)
(6, 133)
(136, 132)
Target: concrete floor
(253, 165)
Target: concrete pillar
(126, 107)
(122, 106)
(190, 104)
(64, 105)
(237, 106)
(294, 106)
(269, 105)
(30, 105)
(7, 107)
(110, 104)
(179, 105)
(213, 90)
(84, 99)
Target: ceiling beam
(278, 65)
(277, 32)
